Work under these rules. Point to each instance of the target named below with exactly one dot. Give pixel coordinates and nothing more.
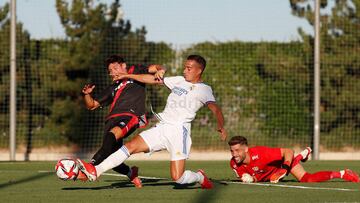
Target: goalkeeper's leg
(301, 175)
(302, 156)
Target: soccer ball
(67, 169)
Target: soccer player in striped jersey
(172, 132)
(126, 98)
(264, 164)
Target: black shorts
(127, 123)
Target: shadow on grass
(143, 180)
(122, 184)
(289, 181)
(146, 183)
(210, 195)
(25, 180)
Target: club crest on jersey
(179, 91)
(255, 157)
(255, 168)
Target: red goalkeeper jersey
(264, 161)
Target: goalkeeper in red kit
(264, 164)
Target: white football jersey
(184, 100)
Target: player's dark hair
(199, 59)
(114, 59)
(238, 140)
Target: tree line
(264, 88)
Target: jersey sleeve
(105, 97)
(171, 81)
(207, 96)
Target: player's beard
(239, 159)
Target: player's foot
(305, 154)
(134, 178)
(278, 175)
(206, 184)
(88, 169)
(350, 176)
(81, 176)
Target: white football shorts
(175, 138)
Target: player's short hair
(238, 140)
(114, 59)
(199, 59)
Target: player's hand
(159, 75)
(223, 133)
(247, 178)
(88, 88)
(278, 175)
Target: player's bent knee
(136, 145)
(131, 147)
(298, 172)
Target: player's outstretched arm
(157, 70)
(220, 119)
(89, 101)
(144, 78)
(155, 76)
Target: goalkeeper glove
(281, 173)
(247, 178)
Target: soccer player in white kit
(172, 132)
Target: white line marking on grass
(46, 172)
(290, 186)
(144, 177)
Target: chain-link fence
(265, 88)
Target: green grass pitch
(37, 182)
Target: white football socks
(342, 172)
(190, 177)
(113, 160)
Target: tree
(340, 67)
(94, 31)
(260, 95)
(4, 71)
(25, 105)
